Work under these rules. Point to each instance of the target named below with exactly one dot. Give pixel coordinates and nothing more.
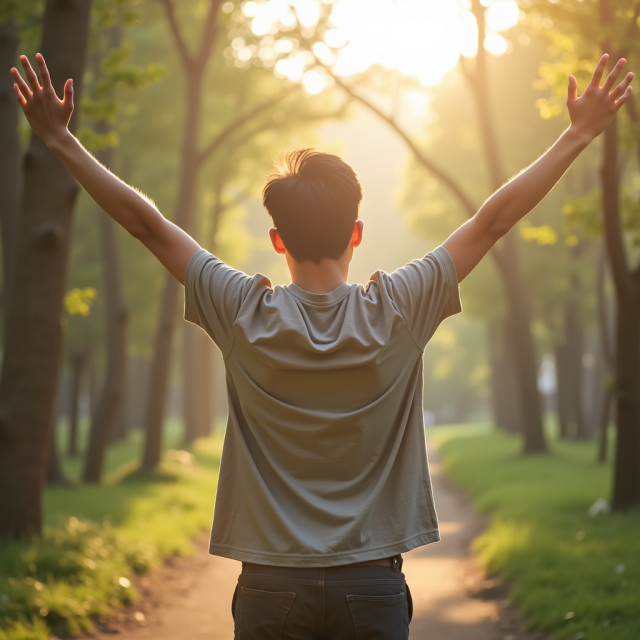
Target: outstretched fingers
(21, 99)
(32, 78)
(572, 92)
(21, 85)
(613, 76)
(624, 97)
(44, 72)
(620, 89)
(68, 95)
(599, 71)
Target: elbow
(140, 232)
(498, 229)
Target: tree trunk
(107, 409)
(603, 433)
(197, 374)
(519, 314)
(198, 388)
(606, 349)
(77, 362)
(522, 346)
(575, 348)
(34, 337)
(504, 390)
(169, 309)
(569, 375)
(55, 474)
(10, 173)
(626, 479)
(562, 393)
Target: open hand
(592, 112)
(46, 113)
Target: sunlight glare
(502, 15)
(419, 38)
(494, 43)
(313, 82)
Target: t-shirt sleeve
(426, 292)
(214, 293)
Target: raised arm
(590, 115)
(49, 117)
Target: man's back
(324, 460)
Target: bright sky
(421, 38)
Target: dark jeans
(336, 603)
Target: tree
(17, 24)
(614, 25)
(308, 33)
(34, 338)
(10, 143)
(253, 118)
(112, 71)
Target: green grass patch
(572, 574)
(97, 538)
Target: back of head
(313, 199)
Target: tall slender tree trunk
(169, 310)
(198, 387)
(606, 349)
(575, 348)
(562, 391)
(520, 341)
(108, 405)
(110, 401)
(626, 478)
(10, 156)
(77, 363)
(55, 474)
(504, 388)
(34, 337)
(519, 313)
(198, 350)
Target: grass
(572, 574)
(97, 538)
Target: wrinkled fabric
(324, 458)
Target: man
(324, 479)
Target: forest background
(191, 102)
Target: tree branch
(228, 131)
(208, 34)
(175, 32)
(301, 119)
(634, 116)
(445, 178)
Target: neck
(319, 278)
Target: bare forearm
(124, 204)
(521, 194)
(170, 244)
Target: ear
(356, 236)
(276, 241)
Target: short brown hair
(313, 199)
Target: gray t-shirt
(324, 459)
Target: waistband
(393, 562)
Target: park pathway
(190, 598)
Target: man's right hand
(49, 117)
(47, 114)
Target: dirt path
(191, 598)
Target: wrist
(57, 140)
(578, 136)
